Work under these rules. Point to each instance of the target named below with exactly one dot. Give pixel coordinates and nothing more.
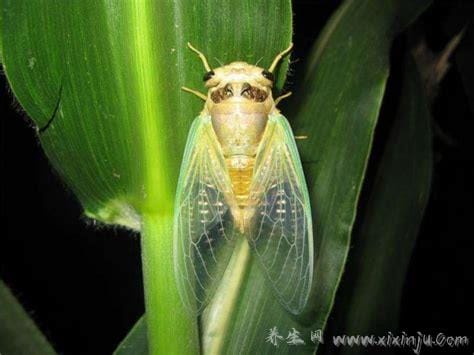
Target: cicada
(241, 177)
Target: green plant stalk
(154, 149)
(171, 330)
(220, 314)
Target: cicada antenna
(279, 56)
(284, 96)
(195, 92)
(202, 56)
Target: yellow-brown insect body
(239, 102)
(242, 177)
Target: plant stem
(171, 330)
(224, 304)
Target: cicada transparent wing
(280, 227)
(203, 224)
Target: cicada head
(239, 101)
(239, 80)
(240, 83)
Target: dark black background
(83, 284)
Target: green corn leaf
(347, 75)
(1, 37)
(111, 71)
(101, 80)
(136, 340)
(337, 107)
(372, 285)
(18, 333)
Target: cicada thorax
(239, 115)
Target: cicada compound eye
(268, 75)
(208, 75)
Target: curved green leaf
(136, 340)
(384, 242)
(347, 74)
(18, 333)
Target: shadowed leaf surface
(18, 333)
(371, 288)
(136, 340)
